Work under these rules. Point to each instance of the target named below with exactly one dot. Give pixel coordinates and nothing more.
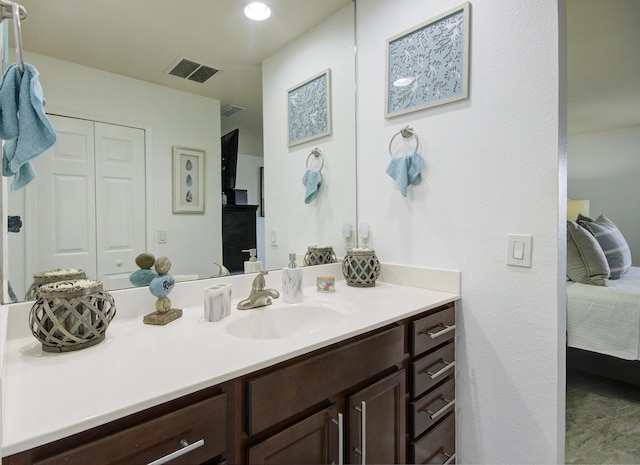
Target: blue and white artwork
(309, 108)
(427, 66)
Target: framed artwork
(188, 180)
(428, 65)
(309, 109)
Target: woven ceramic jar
(319, 255)
(71, 315)
(361, 267)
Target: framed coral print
(428, 65)
(309, 109)
(188, 180)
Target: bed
(603, 327)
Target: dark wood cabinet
(377, 422)
(386, 396)
(238, 234)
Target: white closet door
(60, 224)
(120, 202)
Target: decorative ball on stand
(145, 274)
(161, 286)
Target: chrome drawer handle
(340, 423)
(436, 414)
(363, 434)
(448, 366)
(442, 332)
(450, 458)
(186, 448)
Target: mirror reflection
(106, 192)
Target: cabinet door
(377, 422)
(314, 440)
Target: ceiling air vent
(231, 110)
(191, 70)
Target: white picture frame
(188, 180)
(309, 109)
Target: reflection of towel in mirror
(312, 181)
(405, 170)
(23, 124)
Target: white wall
(174, 118)
(603, 167)
(329, 45)
(492, 167)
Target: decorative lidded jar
(361, 267)
(319, 255)
(71, 315)
(52, 276)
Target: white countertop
(49, 396)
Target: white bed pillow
(586, 262)
(612, 242)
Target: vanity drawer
(426, 411)
(286, 391)
(432, 368)
(438, 446)
(151, 440)
(432, 330)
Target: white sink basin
(285, 320)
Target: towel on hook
(312, 180)
(405, 170)
(24, 124)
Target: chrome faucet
(259, 296)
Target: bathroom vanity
(375, 386)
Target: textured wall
(493, 167)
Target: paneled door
(86, 208)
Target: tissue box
(217, 302)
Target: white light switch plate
(519, 249)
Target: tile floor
(602, 421)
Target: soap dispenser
(292, 282)
(253, 265)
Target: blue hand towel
(312, 181)
(35, 133)
(405, 170)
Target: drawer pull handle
(447, 367)
(186, 448)
(446, 329)
(340, 423)
(363, 433)
(450, 458)
(436, 414)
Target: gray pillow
(612, 241)
(586, 262)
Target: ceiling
(603, 65)
(143, 38)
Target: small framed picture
(188, 180)
(309, 109)
(428, 65)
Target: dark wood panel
(424, 328)
(439, 401)
(156, 438)
(282, 393)
(311, 441)
(431, 369)
(238, 234)
(384, 421)
(438, 445)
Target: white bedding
(606, 319)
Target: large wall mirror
(105, 192)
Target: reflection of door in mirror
(97, 168)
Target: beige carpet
(602, 421)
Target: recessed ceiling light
(258, 11)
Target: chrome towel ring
(406, 132)
(317, 153)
